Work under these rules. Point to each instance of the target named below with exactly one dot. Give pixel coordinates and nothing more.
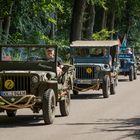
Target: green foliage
(32, 21)
(63, 46)
(104, 34)
(101, 3)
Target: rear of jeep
(27, 80)
(94, 71)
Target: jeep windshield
(23, 54)
(27, 57)
(125, 56)
(95, 55)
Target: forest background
(63, 21)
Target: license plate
(13, 93)
(85, 81)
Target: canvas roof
(107, 43)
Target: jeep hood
(28, 66)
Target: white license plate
(85, 81)
(13, 93)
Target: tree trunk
(90, 20)
(77, 20)
(128, 16)
(112, 23)
(1, 20)
(6, 23)
(53, 26)
(104, 19)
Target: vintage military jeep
(27, 80)
(137, 56)
(96, 66)
(128, 65)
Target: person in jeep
(128, 51)
(104, 54)
(50, 54)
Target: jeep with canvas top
(96, 66)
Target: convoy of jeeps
(28, 80)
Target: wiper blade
(44, 66)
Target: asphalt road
(92, 118)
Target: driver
(50, 53)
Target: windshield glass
(23, 53)
(90, 52)
(125, 56)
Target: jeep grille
(122, 62)
(21, 82)
(84, 72)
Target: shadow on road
(87, 96)
(138, 73)
(131, 127)
(123, 80)
(20, 121)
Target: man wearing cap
(50, 53)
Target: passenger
(50, 53)
(128, 51)
(84, 52)
(104, 54)
(96, 53)
(7, 58)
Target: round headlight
(35, 79)
(106, 66)
(98, 68)
(49, 76)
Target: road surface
(92, 118)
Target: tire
(116, 81)
(11, 113)
(64, 105)
(131, 74)
(48, 106)
(75, 92)
(135, 75)
(113, 88)
(106, 86)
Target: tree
(77, 20)
(89, 21)
(5, 22)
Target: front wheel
(75, 92)
(65, 104)
(11, 113)
(48, 106)
(106, 86)
(113, 88)
(135, 75)
(131, 74)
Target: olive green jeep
(96, 66)
(27, 80)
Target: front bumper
(124, 70)
(87, 81)
(14, 103)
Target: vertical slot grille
(84, 72)
(21, 82)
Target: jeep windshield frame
(111, 48)
(26, 57)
